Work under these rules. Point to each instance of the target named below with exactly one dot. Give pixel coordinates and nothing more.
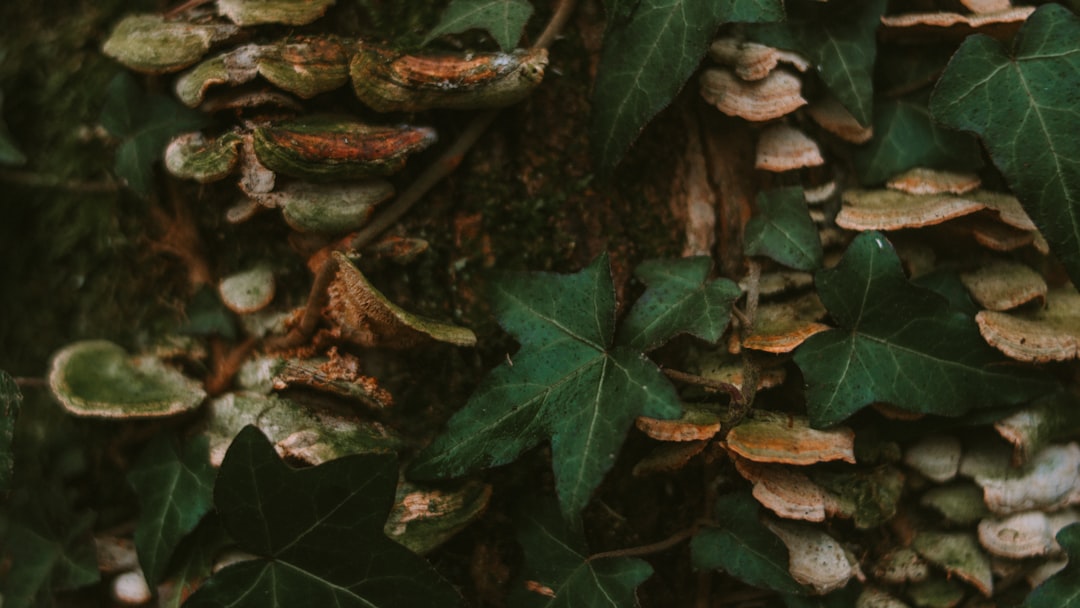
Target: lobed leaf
(567, 383)
(680, 299)
(175, 487)
(649, 52)
(145, 123)
(905, 136)
(503, 19)
(317, 534)
(1022, 104)
(782, 230)
(841, 39)
(744, 548)
(558, 572)
(901, 344)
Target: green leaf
(840, 38)
(10, 399)
(47, 548)
(9, 151)
(1022, 104)
(503, 19)
(680, 299)
(905, 136)
(557, 561)
(782, 230)
(841, 598)
(1062, 589)
(175, 487)
(744, 548)
(193, 562)
(647, 58)
(317, 532)
(145, 123)
(566, 383)
(901, 344)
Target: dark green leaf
(48, 548)
(905, 136)
(647, 58)
(680, 299)
(842, 598)
(1063, 589)
(841, 39)
(9, 152)
(900, 344)
(175, 487)
(145, 123)
(782, 230)
(317, 532)
(10, 399)
(557, 559)
(1023, 106)
(503, 19)
(947, 284)
(743, 547)
(193, 561)
(566, 383)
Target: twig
(656, 547)
(452, 157)
(312, 310)
(25, 382)
(730, 389)
(40, 180)
(185, 6)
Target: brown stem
(185, 6)
(24, 382)
(452, 157)
(728, 388)
(312, 310)
(656, 547)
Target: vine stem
(649, 549)
(732, 391)
(452, 157)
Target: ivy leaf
(193, 561)
(145, 123)
(680, 299)
(743, 547)
(901, 344)
(503, 19)
(559, 573)
(175, 487)
(47, 548)
(841, 39)
(648, 54)
(782, 230)
(10, 399)
(1061, 590)
(317, 532)
(905, 136)
(566, 383)
(1023, 106)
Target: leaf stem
(452, 157)
(656, 547)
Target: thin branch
(656, 547)
(26, 382)
(312, 310)
(41, 180)
(452, 157)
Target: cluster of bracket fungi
(326, 173)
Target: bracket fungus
(1019, 536)
(423, 518)
(1049, 334)
(1001, 23)
(328, 208)
(365, 317)
(155, 45)
(788, 493)
(693, 425)
(389, 81)
(1050, 481)
(960, 555)
(783, 148)
(248, 291)
(1003, 285)
(776, 95)
(780, 327)
(832, 116)
(337, 374)
(788, 439)
(921, 180)
(193, 156)
(98, 379)
(892, 210)
(936, 457)
(815, 558)
(753, 61)
(286, 12)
